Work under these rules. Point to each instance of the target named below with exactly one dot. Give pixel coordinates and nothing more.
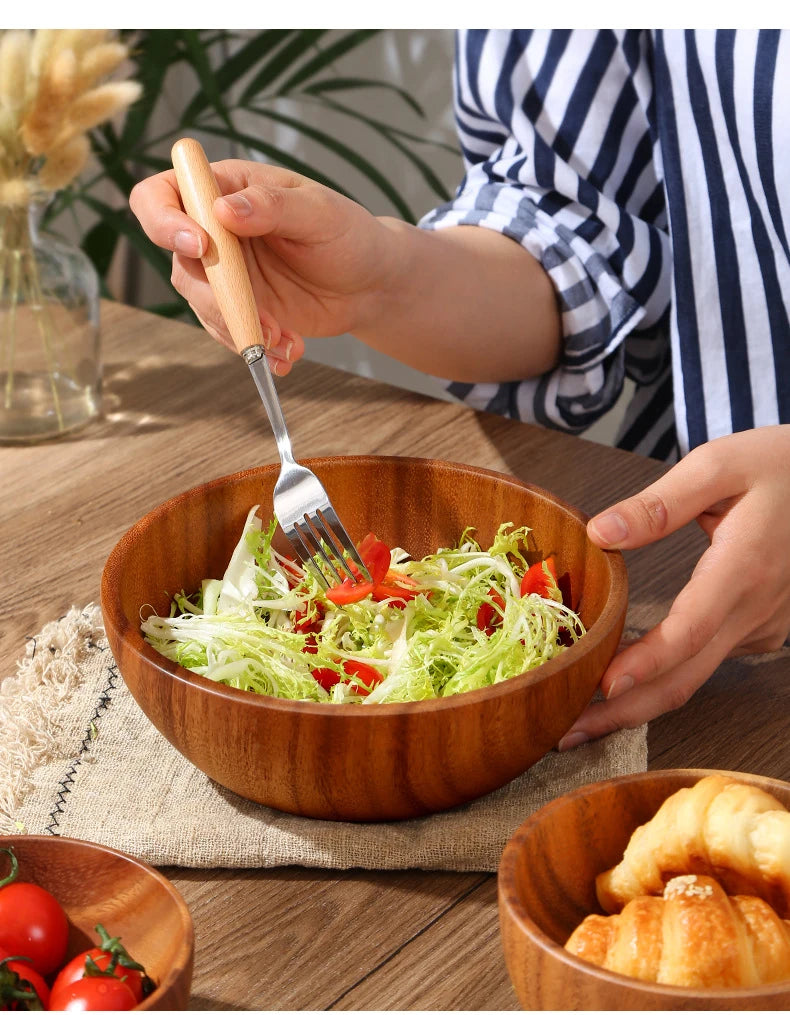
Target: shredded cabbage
(268, 627)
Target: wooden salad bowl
(361, 762)
(546, 886)
(132, 901)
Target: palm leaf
(284, 158)
(342, 84)
(328, 57)
(154, 55)
(198, 58)
(236, 67)
(393, 136)
(281, 61)
(375, 176)
(121, 222)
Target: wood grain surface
(180, 410)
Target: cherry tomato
(18, 983)
(349, 591)
(376, 557)
(92, 993)
(535, 579)
(32, 922)
(488, 616)
(75, 970)
(326, 677)
(367, 677)
(110, 956)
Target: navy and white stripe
(649, 173)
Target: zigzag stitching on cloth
(64, 786)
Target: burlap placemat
(79, 758)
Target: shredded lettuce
(267, 626)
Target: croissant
(695, 935)
(728, 830)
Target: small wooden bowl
(361, 762)
(96, 884)
(546, 887)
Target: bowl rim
(613, 609)
(510, 902)
(186, 943)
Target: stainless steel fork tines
(301, 504)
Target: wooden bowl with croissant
(665, 890)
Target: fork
(301, 504)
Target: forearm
(465, 303)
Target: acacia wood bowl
(361, 762)
(132, 901)
(546, 886)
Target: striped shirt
(649, 173)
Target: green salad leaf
(267, 625)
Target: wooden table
(180, 410)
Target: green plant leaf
(235, 67)
(153, 54)
(257, 144)
(342, 84)
(327, 57)
(100, 243)
(374, 175)
(393, 136)
(199, 60)
(122, 222)
(282, 61)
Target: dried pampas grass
(53, 91)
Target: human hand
(737, 600)
(314, 256)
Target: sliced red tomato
(32, 922)
(366, 676)
(385, 582)
(397, 593)
(326, 677)
(376, 557)
(535, 580)
(21, 987)
(488, 616)
(93, 993)
(349, 592)
(306, 623)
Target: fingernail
(610, 528)
(572, 739)
(238, 204)
(188, 244)
(619, 686)
(267, 336)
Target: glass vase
(50, 362)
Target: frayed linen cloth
(79, 758)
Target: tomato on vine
(104, 992)
(108, 958)
(21, 987)
(32, 921)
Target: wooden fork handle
(224, 261)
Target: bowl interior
(417, 504)
(95, 884)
